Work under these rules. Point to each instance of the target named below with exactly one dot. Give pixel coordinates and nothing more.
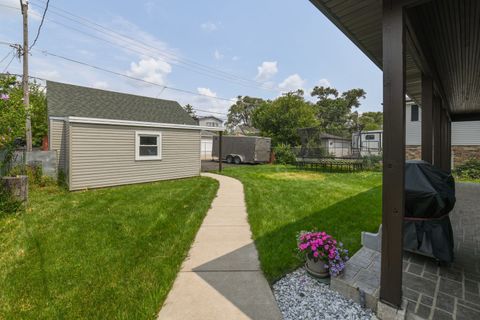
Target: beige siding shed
(104, 155)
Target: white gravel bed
(301, 297)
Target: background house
(465, 137)
(105, 138)
(207, 136)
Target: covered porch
(430, 51)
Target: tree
(370, 121)
(240, 113)
(334, 110)
(13, 113)
(281, 118)
(189, 109)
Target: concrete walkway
(221, 277)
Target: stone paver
(221, 277)
(432, 291)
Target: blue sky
(217, 48)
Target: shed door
(206, 149)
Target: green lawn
(282, 201)
(101, 254)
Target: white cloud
(218, 55)
(151, 70)
(100, 85)
(209, 26)
(266, 70)
(209, 102)
(323, 83)
(206, 92)
(292, 83)
(235, 58)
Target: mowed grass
(283, 201)
(100, 254)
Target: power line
(8, 64)
(6, 56)
(182, 62)
(146, 44)
(130, 77)
(7, 6)
(43, 79)
(40, 25)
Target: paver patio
(432, 291)
(221, 277)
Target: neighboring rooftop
(65, 100)
(210, 117)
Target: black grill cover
(430, 192)
(430, 196)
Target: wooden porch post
(437, 110)
(437, 132)
(446, 147)
(394, 151)
(427, 118)
(449, 145)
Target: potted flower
(324, 255)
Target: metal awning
(443, 32)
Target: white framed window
(148, 145)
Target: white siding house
(465, 136)
(207, 136)
(465, 133)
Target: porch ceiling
(447, 33)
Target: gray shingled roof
(65, 100)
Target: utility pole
(24, 52)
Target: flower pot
(316, 267)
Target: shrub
(284, 154)
(372, 162)
(470, 169)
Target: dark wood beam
(422, 56)
(414, 3)
(449, 146)
(393, 195)
(465, 117)
(437, 133)
(443, 140)
(427, 118)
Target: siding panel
(103, 155)
(59, 143)
(465, 133)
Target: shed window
(148, 145)
(370, 137)
(414, 113)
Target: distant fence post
(220, 135)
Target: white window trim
(138, 157)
